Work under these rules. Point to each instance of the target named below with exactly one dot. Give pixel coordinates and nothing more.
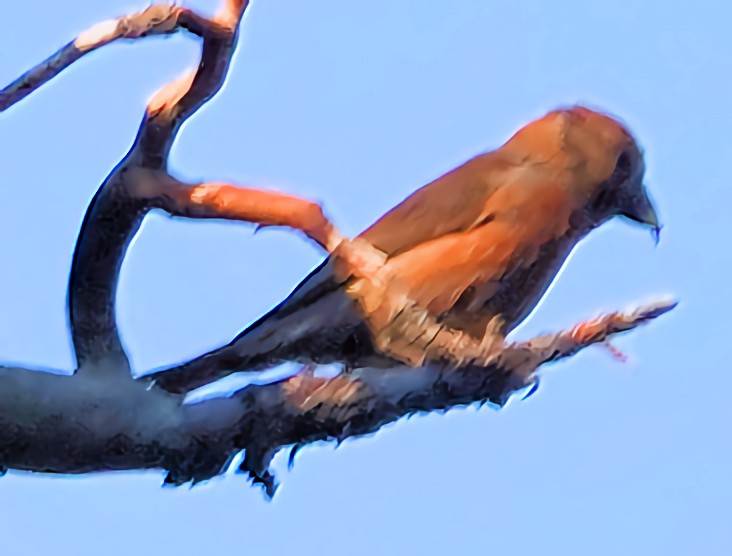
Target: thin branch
(97, 425)
(140, 182)
(180, 99)
(156, 20)
(244, 204)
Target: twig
(159, 19)
(243, 204)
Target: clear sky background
(357, 104)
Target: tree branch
(116, 212)
(231, 202)
(140, 182)
(180, 99)
(97, 424)
(156, 20)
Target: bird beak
(640, 209)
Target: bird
(475, 250)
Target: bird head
(598, 157)
(628, 193)
(615, 167)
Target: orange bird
(477, 248)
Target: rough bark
(100, 422)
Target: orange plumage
(480, 244)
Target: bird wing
(454, 202)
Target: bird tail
(279, 337)
(238, 356)
(301, 328)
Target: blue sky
(356, 104)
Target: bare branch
(141, 183)
(97, 425)
(117, 210)
(110, 223)
(179, 100)
(114, 216)
(156, 20)
(244, 204)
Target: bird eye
(607, 193)
(622, 170)
(621, 174)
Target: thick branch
(94, 424)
